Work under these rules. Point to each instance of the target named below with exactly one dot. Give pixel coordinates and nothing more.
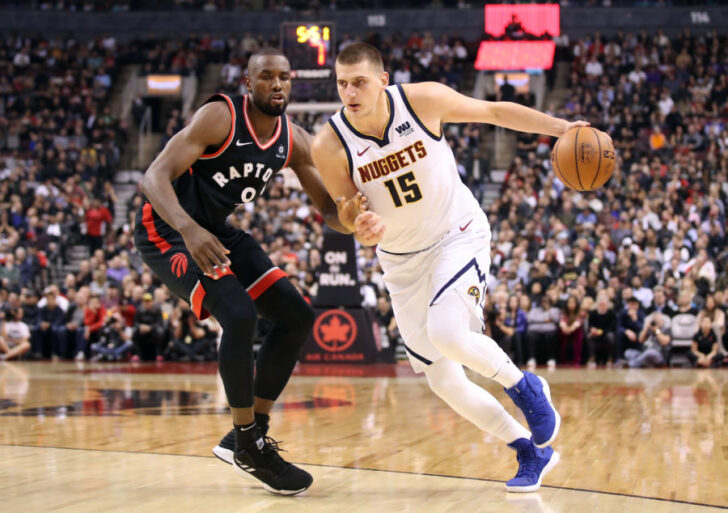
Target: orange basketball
(583, 158)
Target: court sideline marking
(671, 501)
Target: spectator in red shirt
(94, 318)
(97, 217)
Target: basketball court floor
(137, 438)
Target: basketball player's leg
(448, 326)
(277, 300)
(454, 326)
(448, 380)
(291, 319)
(410, 293)
(174, 266)
(227, 300)
(254, 452)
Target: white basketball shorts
(459, 262)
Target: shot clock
(310, 49)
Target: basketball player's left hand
(368, 228)
(576, 124)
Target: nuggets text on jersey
(392, 162)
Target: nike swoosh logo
(360, 153)
(463, 228)
(238, 143)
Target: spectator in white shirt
(594, 68)
(14, 336)
(637, 75)
(403, 75)
(665, 102)
(643, 294)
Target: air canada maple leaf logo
(335, 330)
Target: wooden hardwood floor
(138, 438)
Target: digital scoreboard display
(515, 55)
(521, 37)
(534, 18)
(310, 49)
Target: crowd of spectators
(652, 239)
(302, 5)
(59, 149)
(187, 56)
(221, 5)
(625, 275)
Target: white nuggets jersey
(409, 177)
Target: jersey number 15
(408, 186)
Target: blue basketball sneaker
(533, 465)
(533, 397)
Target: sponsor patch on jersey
(475, 292)
(404, 129)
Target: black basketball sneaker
(257, 456)
(225, 449)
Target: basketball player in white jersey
(386, 145)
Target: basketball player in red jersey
(225, 157)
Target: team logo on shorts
(179, 264)
(475, 292)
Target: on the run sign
(337, 276)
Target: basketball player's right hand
(349, 209)
(368, 228)
(206, 249)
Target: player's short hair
(357, 52)
(265, 52)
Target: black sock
(263, 421)
(246, 434)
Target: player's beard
(271, 110)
